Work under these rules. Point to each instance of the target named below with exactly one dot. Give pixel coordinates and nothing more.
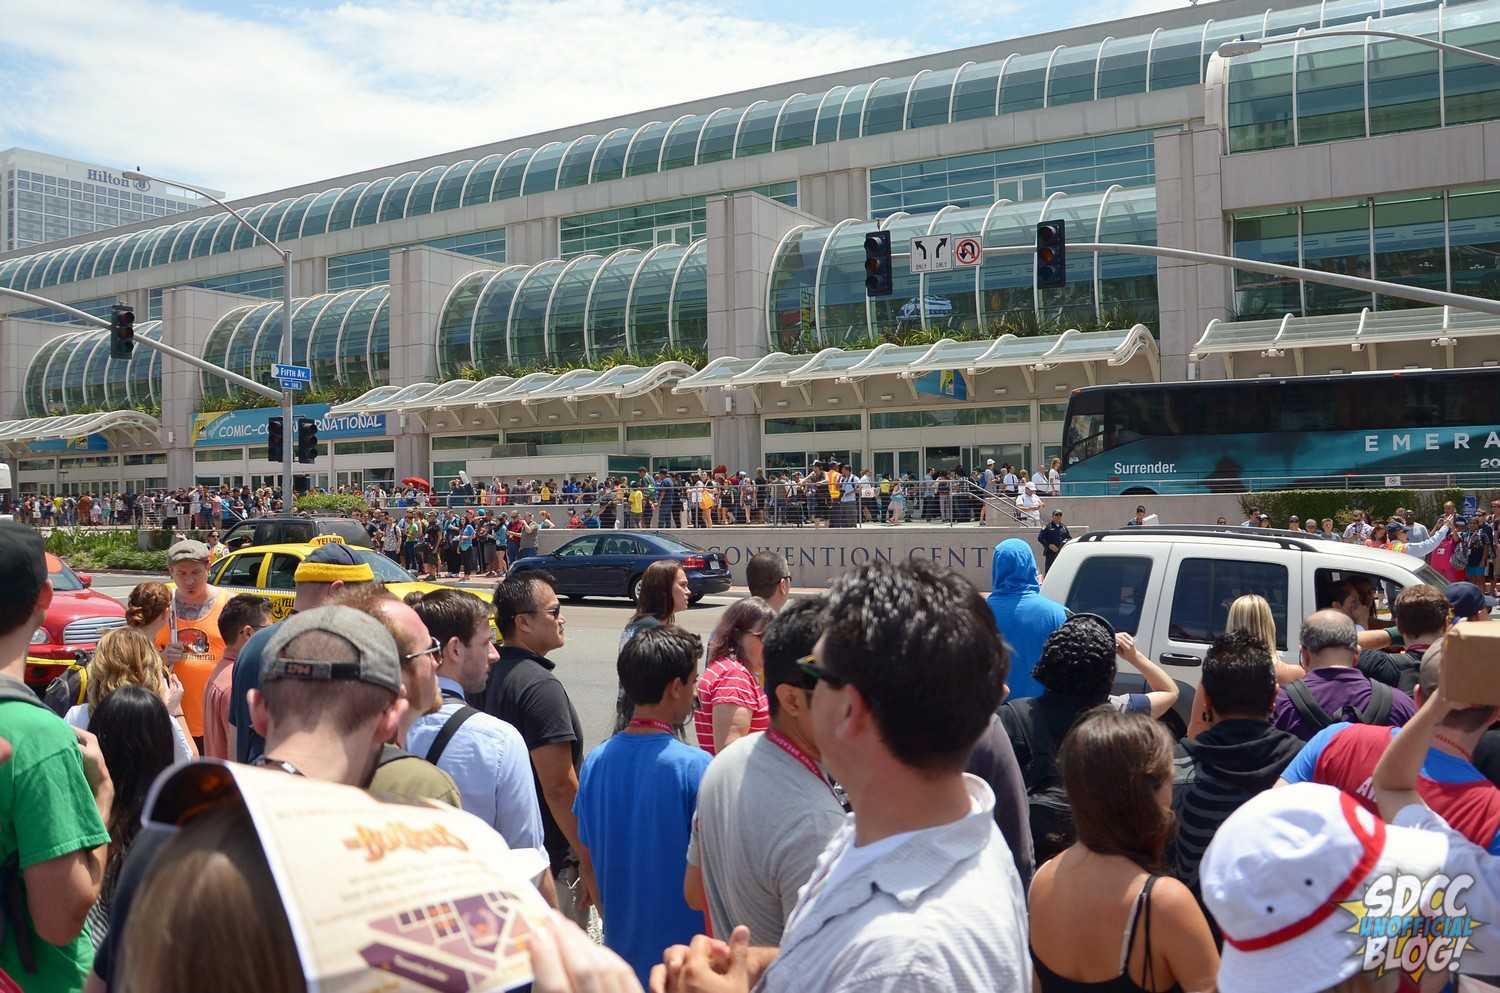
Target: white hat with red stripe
(1278, 868)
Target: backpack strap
(1377, 710)
(1307, 707)
(448, 730)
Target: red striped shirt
(727, 680)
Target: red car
(75, 621)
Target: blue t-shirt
(636, 797)
(466, 539)
(247, 665)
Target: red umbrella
(418, 482)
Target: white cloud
(298, 94)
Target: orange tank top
(205, 649)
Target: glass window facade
(373, 267)
(264, 283)
(41, 206)
(1435, 239)
(1086, 165)
(648, 224)
(812, 425)
(947, 417)
(99, 308)
(667, 432)
(566, 436)
(1350, 87)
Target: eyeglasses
(434, 649)
(553, 611)
(817, 673)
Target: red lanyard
(655, 725)
(786, 744)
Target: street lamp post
(288, 421)
(1249, 46)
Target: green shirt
(46, 810)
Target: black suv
(293, 530)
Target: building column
(309, 277)
(421, 278)
(743, 232)
(1190, 215)
(188, 315)
(836, 195)
(530, 242)
(19, 341)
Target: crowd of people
(196, 507)
(896, 785)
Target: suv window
(621, 545)
(1376, 594)
(1112, 586)
(240, 534)
(241, 570)
(1207, 587)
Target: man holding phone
(190, 643)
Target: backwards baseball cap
(23, 562)
(187, 550)
(1278, 869)
(1466, 599)
(377, 660)
(333, 562)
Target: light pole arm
(1437, 298)
(133, 174)
(176, 353)
(1415, 39)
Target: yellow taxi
(269, 571)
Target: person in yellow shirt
(637, 506)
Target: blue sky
(250, 97)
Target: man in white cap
(1030, 505)
(190, 642)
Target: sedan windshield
(384, 569)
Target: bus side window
(1112, 586)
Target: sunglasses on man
(820, 674)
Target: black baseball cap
(1466, 599)
(1141, 509)
(23, 561)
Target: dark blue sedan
(607, 563)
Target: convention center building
(684, 287)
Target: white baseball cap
(1277, 870)
(989, 461)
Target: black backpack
(69, 688)
(1048, 810)
(1377, 709)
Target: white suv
(1171, 587)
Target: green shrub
(103, 550)
(1341, 504)
(339, 504)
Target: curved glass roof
(618, 383)
(586, 307)
(816, 292)
(939, 95)
(1277, 335)
(136, 426)
(1039, 352)
(75, 370)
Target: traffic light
(275, 440)
(1051, 255)
(121, 331)
(307, 440)
(878, 264)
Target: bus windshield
(1436, 428)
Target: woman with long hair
(1103, 915)
(731, 693)
(1252, 614)
(126, 657)
(135, 737)
(663, 594)
(146, 610)
(1377, 538)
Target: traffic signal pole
(163, 347)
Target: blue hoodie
(1026, 618)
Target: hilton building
(684, 286)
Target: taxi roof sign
(328, 539)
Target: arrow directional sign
(295, 373)
(931, 253)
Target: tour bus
(1423, 428)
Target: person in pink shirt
(241, 617)
(731, 695)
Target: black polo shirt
(523, 692)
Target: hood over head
(1013, 569)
